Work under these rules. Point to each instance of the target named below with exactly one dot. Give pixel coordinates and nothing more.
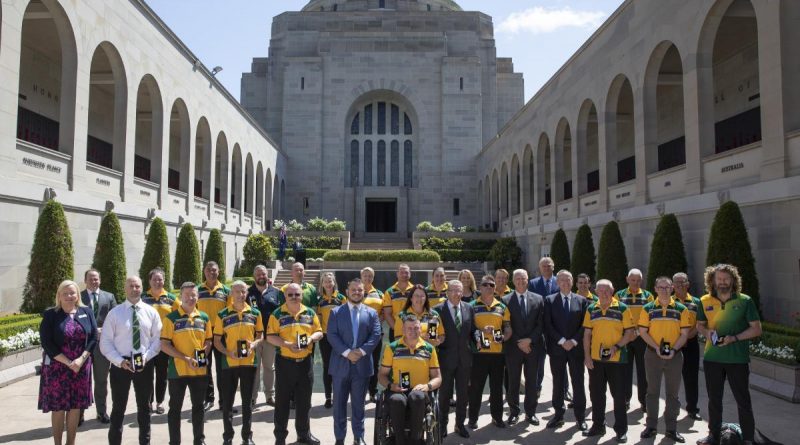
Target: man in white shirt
(130, 341)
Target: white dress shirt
(116, 340)
(350, 307)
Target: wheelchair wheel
(381, 434)
(433, 429)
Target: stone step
(284, 276)
(382, 245)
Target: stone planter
(344, 236)
(378, 265)
(18, 365)
(775, 378)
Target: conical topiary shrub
(583, 255)
(156, 253)
(667, 255)
(612, 263)
(728, 243)
(215, 252)
(506, 254)
(187, 257)
(52, 259)
(109, 256)
(257, 250)
(559, 251)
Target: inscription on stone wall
(590, 203)
(667, 183)
(219, 212)
(41, 165)
(198, 207)
(732, 167)
(144, 192)
(565, 209)
(545, 214)
(103, 182)
(623, 195)
(176, 201)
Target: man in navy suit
(101, 303)
(354, 331)
(544, 285)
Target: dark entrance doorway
(381, 215)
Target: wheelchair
(384, 433)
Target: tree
(506, 254)
(559, 250)
(156, 253)
(52, 259)
(215, 252)
(583, 255)
(667, 254)
(109, 256)
(612, 263)
(187, 257)
(728, 243)
(257, 250)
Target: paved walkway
(22, 423)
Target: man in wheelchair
(409, 372)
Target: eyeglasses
(294, 295)
(663, 287)
(487, 284)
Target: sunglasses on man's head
(487, 284)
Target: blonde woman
(470, 287)
(329, 298)
(69, 335)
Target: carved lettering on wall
(590, 203)
(103, 182)
(144, 192)
(45, 92)
(732, 167)
(176, 201)
(623, 195)
(41, 165)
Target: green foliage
(315, 242)
(156, 253)
(445, 227)
(383, 255)
(52, 259)
(20, 325)
(780, 329)
(109, 256)
(728, 243)
(436, 243)
(612, 263)
(215, 252)
(292, 225)
(317, 253)
(506, 254)
(462, 255)
(559, 250)
(316, 224)
(425, 226)
(248, 280)
(336, 225)
(667, 255)
(187, 258)
(583, 256)
(16, 318)
(257, 250)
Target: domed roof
(397, 5)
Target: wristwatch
(430, 388)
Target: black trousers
(231, 379)
(160, 363)
(197, 394)
(486, 365)
(738, 375)
(376, 362)
(215, 361)
(459, 377)
(294, 380)
(691, 371)
(559, 365)
(611, 375)
(636, 348)
(325, 348)
(516, 363)
(120, 388)
(407, 411)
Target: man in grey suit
(527, 326)
(455, 356)
(354, 331)
(100, 302)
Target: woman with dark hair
(431, 327)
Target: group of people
(444, 340)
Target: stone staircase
(284, 276)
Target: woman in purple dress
(69, 334)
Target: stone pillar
(640, 147)
(770, 72)
(602, 156)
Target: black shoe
(694, 415)
(103, 418)
(676, 436)
(359, 441)
(248, 441)
(708, 440)
(452, 403)
(555, 422)
(570, 405)
(597, 429)
(207, 405)
(328, 403)
(308, 439)
(291, 404)
(648, 433)
(339, 442)
(473, 425)
(499, 423)
(372, 399)
(227, 442)
(512, 419)
(461, 431)
(621, 438)
(581, 424)
(533, 420)
(271, 401)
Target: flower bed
(780, 354)
(19, 341)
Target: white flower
(781, 353)
(19, 341)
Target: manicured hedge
(109, 256)
(559, 251)
(249, 280)
(780, 329)
(16, 318)
(156, 253)
(436, 243)
(382, 255)
(667, 254)
(317, 242)
(462, 255)
(215, 252)
(17, 326)
(317, 253)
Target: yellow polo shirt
(235, 326)
(395, 298)
(163, 303)
(500, 293)
(374, 298)
(665, 322)
(425, 319)
(287, 326)
(212, 299)
(326, 305)
(608, 327)
(635, 302)
(188, 333)
(436, 297)
(417, 361)
(495, 315)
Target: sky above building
(540, 35)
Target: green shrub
(215, 252)
(445, 227)
(317, 253)
(317, 242)
(667, 255)
(187, 257)
(7, 330)
(612, 263)
(728, 243)
(463, 255)
(248, 280)
(780, 329)
(52, 259)
(316, 225)
(583, 255)
(17, 318)
(559, 250)
(436, 243)
(506, 254)
(257, 250)
(109, 256)
(336, 226)
(425, 226)
(156, 253)
(293, 225)
(383, 255)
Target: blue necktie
(566, 304)
(354, 321)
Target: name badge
(82, 316)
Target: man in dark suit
(100, 302)
(354, 331)
(544, 285)
(527, 325)
(455, 356)
(563, 319)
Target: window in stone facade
(302, 83)
(407, 164)
(381, 117)
(407, 124)
(461, 83)
(368, 119)
(354, 127)
(354, 162)
(395, 119)
(456, 207)
(367, 163)
(381, 163)
(395, 165)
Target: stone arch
(588, 147)
(620, 132)
(515, 190)
(529, 179)
(563, 157)
(222, 166)
(179, 134)
(544, 176)
(149, 138)
(495, 200)
(504, 199)
(665, 131)
(259, 208)
(268, 211)
(237, 179)
(108, 106)
(276, 198)
(249, 181)
(202, 160)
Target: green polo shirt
(729, 318)
(310, 296)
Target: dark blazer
(266, 303)
(558, 324)
(456, 350)
(525, 326)
(543, 287)
(105, 301)
(51, 330)
(340, 337)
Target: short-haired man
(373, 298)
(584, 284)
(501, 288)
(728, 319)
(164, 303)
(544, 285)
(186, 338)
(394, 299)
(266, 298)
(691, 350)
(212, 298)
(664, 326)
(130, 341)
(101, 303)
(607, 328)
(310, 294)
(635, 298)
